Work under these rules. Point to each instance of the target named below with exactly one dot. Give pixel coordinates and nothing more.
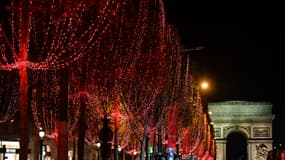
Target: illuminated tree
(99, 76)
(90, 60)
(43, 35)
(129, 66)
(194, 133)
(110, 62)
(169, 98)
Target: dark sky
(242, 55)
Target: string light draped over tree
(197, 127)
(42, 35)
(131, 49)
(169, 98)
(9, 95)
(58, 33)
(112, 55)
(186, 109)
(194, 128)
(45, 105)
(122, 62)
(118, 49)
(148, 76)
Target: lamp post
(119, 150)
(98, 145)
(196, 67)
(177, 148)
(134, 155)
(41, 134)
(204, 87)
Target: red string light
(115, 35)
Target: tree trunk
(83, 105)
(62, 146)
(24, 36)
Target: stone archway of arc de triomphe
(252, 119)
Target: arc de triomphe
(252, 120)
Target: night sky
(242, 55)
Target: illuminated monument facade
(250, 120)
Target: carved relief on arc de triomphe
(251, 119)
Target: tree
(48, 35)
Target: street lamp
(119, 150)
(41, 134)
(98, 145)
(135, 154)
(204, 85)
(196, 66)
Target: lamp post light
(119, 148)
(204, 85)
(98, 145)
(135, 154)
(205, 88)
(41, 135)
